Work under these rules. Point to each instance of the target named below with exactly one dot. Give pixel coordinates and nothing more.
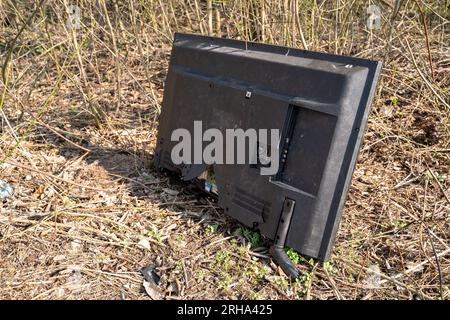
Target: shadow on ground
(133, 168)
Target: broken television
(317, 102)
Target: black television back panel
(319, 102)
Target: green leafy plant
(252, 236)
(225, 280)
(212, 228)
(293, 255)
(200, 275)
(303, 283)
(222, 256)
(394, 101)
(328, 266)
(155, 233)
(255, 296)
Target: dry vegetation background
(79, 111)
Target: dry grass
(79, 116)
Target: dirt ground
(89, 212)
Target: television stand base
(282, 259)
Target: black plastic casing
(325, 99)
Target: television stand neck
(277, 249)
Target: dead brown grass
(79, 118)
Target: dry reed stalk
(218, 22)
(209, 10)
(116, 54)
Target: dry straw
(79, 116)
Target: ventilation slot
(251, 203)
